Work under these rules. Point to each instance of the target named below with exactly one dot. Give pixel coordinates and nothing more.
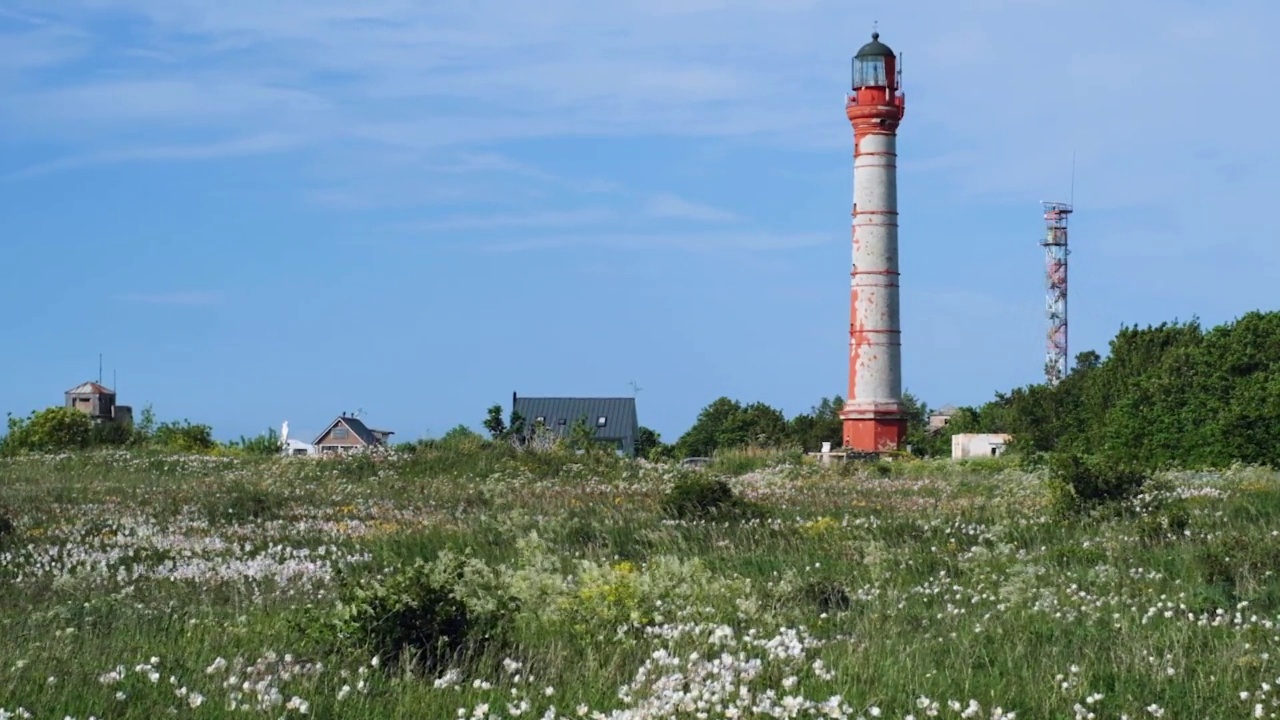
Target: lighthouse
(873, 417)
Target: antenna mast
(1056, 251)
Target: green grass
(925, 583)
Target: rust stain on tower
(874, 417)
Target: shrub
(8, 528)
(50, 430)
(264, 445)
(700, 497)
(1080, 484)
(414, 615)
(828, 596)
(184, 437)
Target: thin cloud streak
(669, 206)
(191, 299)
(246, 146)
(417, 77)
(690, 242)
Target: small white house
(298, 448)
(975, 445)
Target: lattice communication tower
(1056, 251)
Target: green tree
(1170, 394)
(184, 437)
(647, 441)
(462, 435)
(821, 424)
(754, 425)
(145, 426)
(53, 429)
(264, 445)
(703, 438)
(494, 423)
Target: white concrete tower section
(874, 417)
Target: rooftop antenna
(99, 368)
(634, 388)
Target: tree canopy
(1172, 394)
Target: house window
(600, 421)
(339, 433)
(540, 419)
(561, 421)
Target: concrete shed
(975, 445)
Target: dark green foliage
(264, 445)
(726, 424)
(503, 430)
(106, 434)
(410, 615)
(1173, 394)
(821, 424)
(494, 423)
(184, 437)
(461, 436)
(1242, 566)
(582, 438)
(1082, 484)
(53, 429)
(827, 596)
(703, 497)
(8, 528)
(648, 443)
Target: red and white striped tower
(874, 417)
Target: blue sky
(267, 211)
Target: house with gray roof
(612, 420)
(348, 433)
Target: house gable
(349, 432)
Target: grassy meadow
(150, 586)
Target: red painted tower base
(875, 434)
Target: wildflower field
(451, 584)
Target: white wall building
(976, 445)
(298, 448)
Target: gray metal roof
(356, 426)
(619, 414)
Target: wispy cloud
(172, 298)
(718, 242)
(670, 206)
(254, 145)
(1019, 86)
(549, 219)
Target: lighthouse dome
(875, 48)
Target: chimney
(513, 399)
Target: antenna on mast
(99, 368)
(634, 388)
(1072, 201)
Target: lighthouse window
(869, 72)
